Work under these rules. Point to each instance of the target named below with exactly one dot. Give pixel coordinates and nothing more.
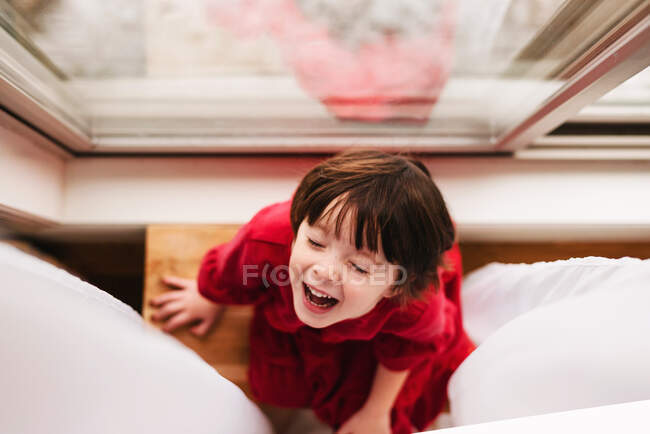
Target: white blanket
(579, 339)
(76, 360)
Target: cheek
(297, 255)
(361, 295)
(299, 261)
(365, 293)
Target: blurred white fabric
(628, 418)
(76, 360)
(498, 293)
(579, 339)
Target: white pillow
(76, 360)
(497, 293)
(584, 351)
(628, 418)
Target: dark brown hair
(393, 201)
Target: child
(356, 287)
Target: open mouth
(318, 299)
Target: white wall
(177, 190)
(490, 198)
(31, 175)
(503, 198)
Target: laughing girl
(356, 287)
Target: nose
(328, 271)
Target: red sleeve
(424, 329)
(229, 272)
(232, 273)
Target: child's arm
(385, 388)
(374, 416)
(221, 280)
(236, 272)
(230, 273)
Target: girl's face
(331, 280)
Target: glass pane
(455, 73)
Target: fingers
(201, 328)
(167, 310)
(177, 282)
(165, 298)
(173, 282)
(178, 320)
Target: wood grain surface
(177, 250)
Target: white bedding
(498, 293)
(76, 360)
(628, 418)
(555, 337)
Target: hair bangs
(361, 208)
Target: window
(316, 75)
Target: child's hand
(367, 421)
(185, 305)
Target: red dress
(331, 369)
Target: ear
(392, 291)
(400, 283)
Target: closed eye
(314, 243)
(359, 269)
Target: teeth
(318, 293)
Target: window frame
(35, 94)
